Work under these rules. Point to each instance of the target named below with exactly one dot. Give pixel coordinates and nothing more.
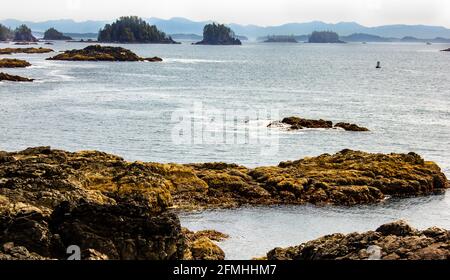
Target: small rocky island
(218, 34)
(296, 123)
(324, 37)
(13, 63)
(23, 34)
(54, 35)
(101, 53)
(133, 30)
(25, 50)
(13, 78)
(6, 34)
(446, 50)
(393, 241)
(281, 39)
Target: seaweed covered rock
(201, 246)
(50, 199)
(394, 241)
(25, 50)
(13, 78)
(13, 63)
(101, 53)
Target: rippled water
(257, 230)
(127, 108)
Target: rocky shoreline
(393, 241)
(114, 209)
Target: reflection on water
(256, 230)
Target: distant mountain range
(185, 26)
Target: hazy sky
(261, 12)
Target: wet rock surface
(13, 78)
(394, 241)
(297, 123)
(101, 53)
(201, 245)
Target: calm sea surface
(128, 109)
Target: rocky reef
(218, 34)
(101, 53)
(393, 241)
(25, 50)
(296, 123)
(114, 209)
(13, 63)
(13, 78)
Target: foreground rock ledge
(114, 209)
(101, 53)
(394, 241)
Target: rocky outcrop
(351, 127)
(114, 209)
(446, 50)
(296, 123)
(13, 78)
(394, 241)
(218, 34)
(101, 53)
(25, 50)
(13, 63)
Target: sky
(259, 12)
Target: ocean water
(134, 109)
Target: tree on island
(53, 34)
(6, 34)
(133, 29)
(324, 37)
(23, 34)
(218, 34)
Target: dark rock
(351, 127)
(299, 123)
(396, 241)
(154, 59)
(13, 78)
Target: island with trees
(6, 34)
(133, 29)
(324, 37)
(23, 34)
(218, 34)
(53, 34)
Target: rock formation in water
(394, 241)
(324, 37)
(133, 30)
(446, 50)
(100, 53)
(114, 209)
(296, 123)
(13, 78)
(23, 34)
(218, 34)
(53, 34)
(25, 50)
(13, 63)
(350, 127)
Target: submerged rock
(101, 53)
(25, 50)
(13, 63)
(394, 241)
(13, 78)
